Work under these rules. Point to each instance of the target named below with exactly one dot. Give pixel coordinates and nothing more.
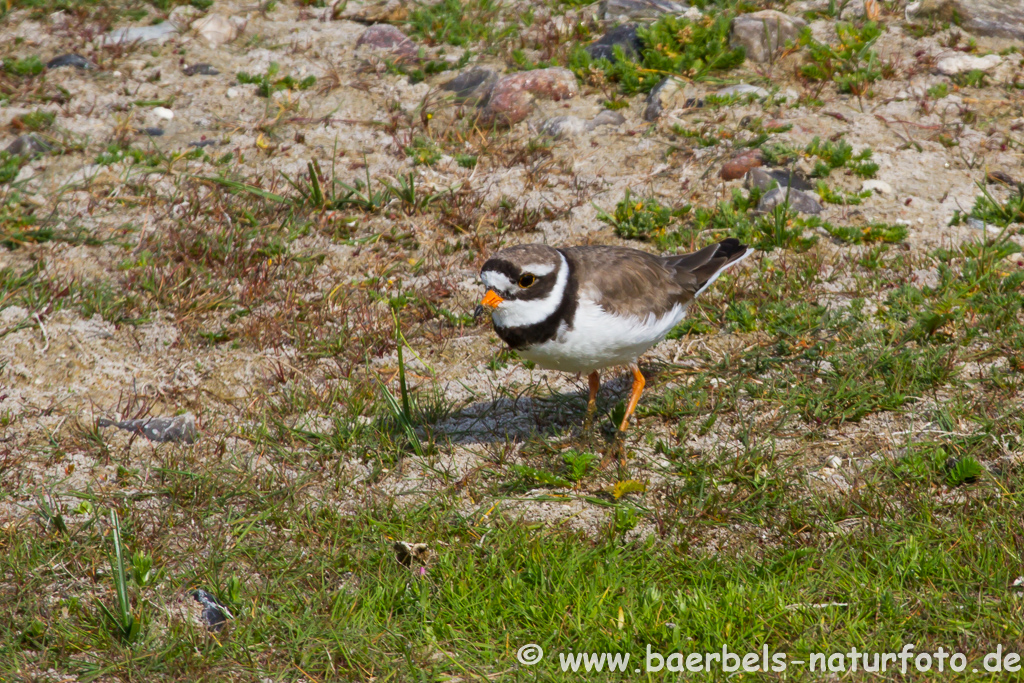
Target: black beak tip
(478, 311)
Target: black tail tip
(731, 247)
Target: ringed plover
(584, 309)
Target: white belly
(599, 339)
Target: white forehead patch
(539, 269)
(495, 280)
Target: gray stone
(157, 33)
(842, 10)
(624, 37)
(201, 69)
(877, 186)
(28, 145)
(512, 96)
(568, 126)
(388, 38)
(742, 89)
(764, 179)
(764, 34)
(77, 61)
(473, 86)
(563, 126)
(670, 94)
(160, 429)
(640, 9)
(207, 610)
(958, 64)
(799, 201)
(1004, 18)
(384, 11)
(607, 117)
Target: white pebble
(835, 462)
(163, 113)
(879, 186)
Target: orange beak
(491, 300)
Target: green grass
(730, 541)
(24, 67)
(825, 458)
(458, 23)
(850, 62)
(639, 218)
(350, 610)
(670, 46)
(268, 82)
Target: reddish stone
(387, 37)
(513, 95)
(736, 168)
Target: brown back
(631, 282)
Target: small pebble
(878, 186)
(160, 429)
(27, 145)
(74, 60)
(201, 69)
(163, 113)
(207, 610)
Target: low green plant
(781, 228)
(964, 470)
(833, 155)
(402, 411)
(831, 195)
(850, 63)
(458, 23)
(423, 151)
(701, 135)
(992, 211)
(578, 463)
(529, 476)
(10, 165)
(778, 154)
(126, 626)
(873, 232)
(38, 120)
(405, 192)
(117, 152)
(670, 46)
(636, 219)
(268, 83)
(975, 78)
(427, 67)
(24, 67)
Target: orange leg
(617, 449)
(594, 379)
(634, 396)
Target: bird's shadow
(536, 411)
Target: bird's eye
(526, 280)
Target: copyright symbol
(530, 654)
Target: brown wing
(625, 281)
(632, 282)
